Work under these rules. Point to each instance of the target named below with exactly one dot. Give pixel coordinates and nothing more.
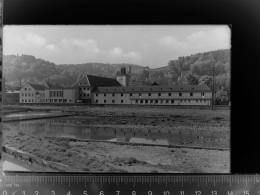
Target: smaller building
(32, 93)
(11, 97)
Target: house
(88, 83)
(55, 93)
(11, 97)
(154, 95)
(32, 93)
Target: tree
(192, 79)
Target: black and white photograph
(116, 98)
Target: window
(70, 100)
(151, 101)
(169, 94)
(84, 88)
(156, 101)
(32, 100)
(172, 101)
(146, 101)
(113, 101)
(180, 94)
(22, 94)
(105, 101)
(29, 89)
(202, 94)
(188, 100)
(87, 88)
(22, 100)
(25, 89)
(149, 94)
(200, 100)
(140, 94)
(161, 101)
(191, 94)
(122, 101)
(25, 100)
(196, 100)
(25, 94)
(167, 101)
(32, 94)
(136, 101)
(122, 94)
(141, 101)
(88, 95)
(96, 94)
(159, 94)
(113, 94)
(130, 94)
(105, 94)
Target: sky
(145, 45)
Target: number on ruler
(101, 193)
(166, 193)
(52, 192)
(150, 193)
(4, 192)
(198, 192)
(133, 192)
(246, 192)
(36, 192)
(214, 193)
(230, 192)
(117, 192)
(85, 192)
(182, 192)
(68, 193)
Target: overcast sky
(152, 46)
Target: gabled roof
(95, 81)
(37, 87)
(52, 86)
(165, 88)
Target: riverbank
(94, 156)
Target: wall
(24, 94)
(146, 97)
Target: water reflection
(76, 129)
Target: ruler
(128, 184)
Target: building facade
(154, 95)
(32, 93)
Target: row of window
(27, 94)
(29, 100)
(149, 94)
(56, 93)
(155, 101)
(25, 89)
(84, 95)
(58, 100)
(85, 88)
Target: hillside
(194, 69)
(29, 68)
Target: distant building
(154, 95)
(32, 93)
(58, 94)
(11, 97)
(100, 90)
(88, 83)
(123, 77)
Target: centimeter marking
(131, 179)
